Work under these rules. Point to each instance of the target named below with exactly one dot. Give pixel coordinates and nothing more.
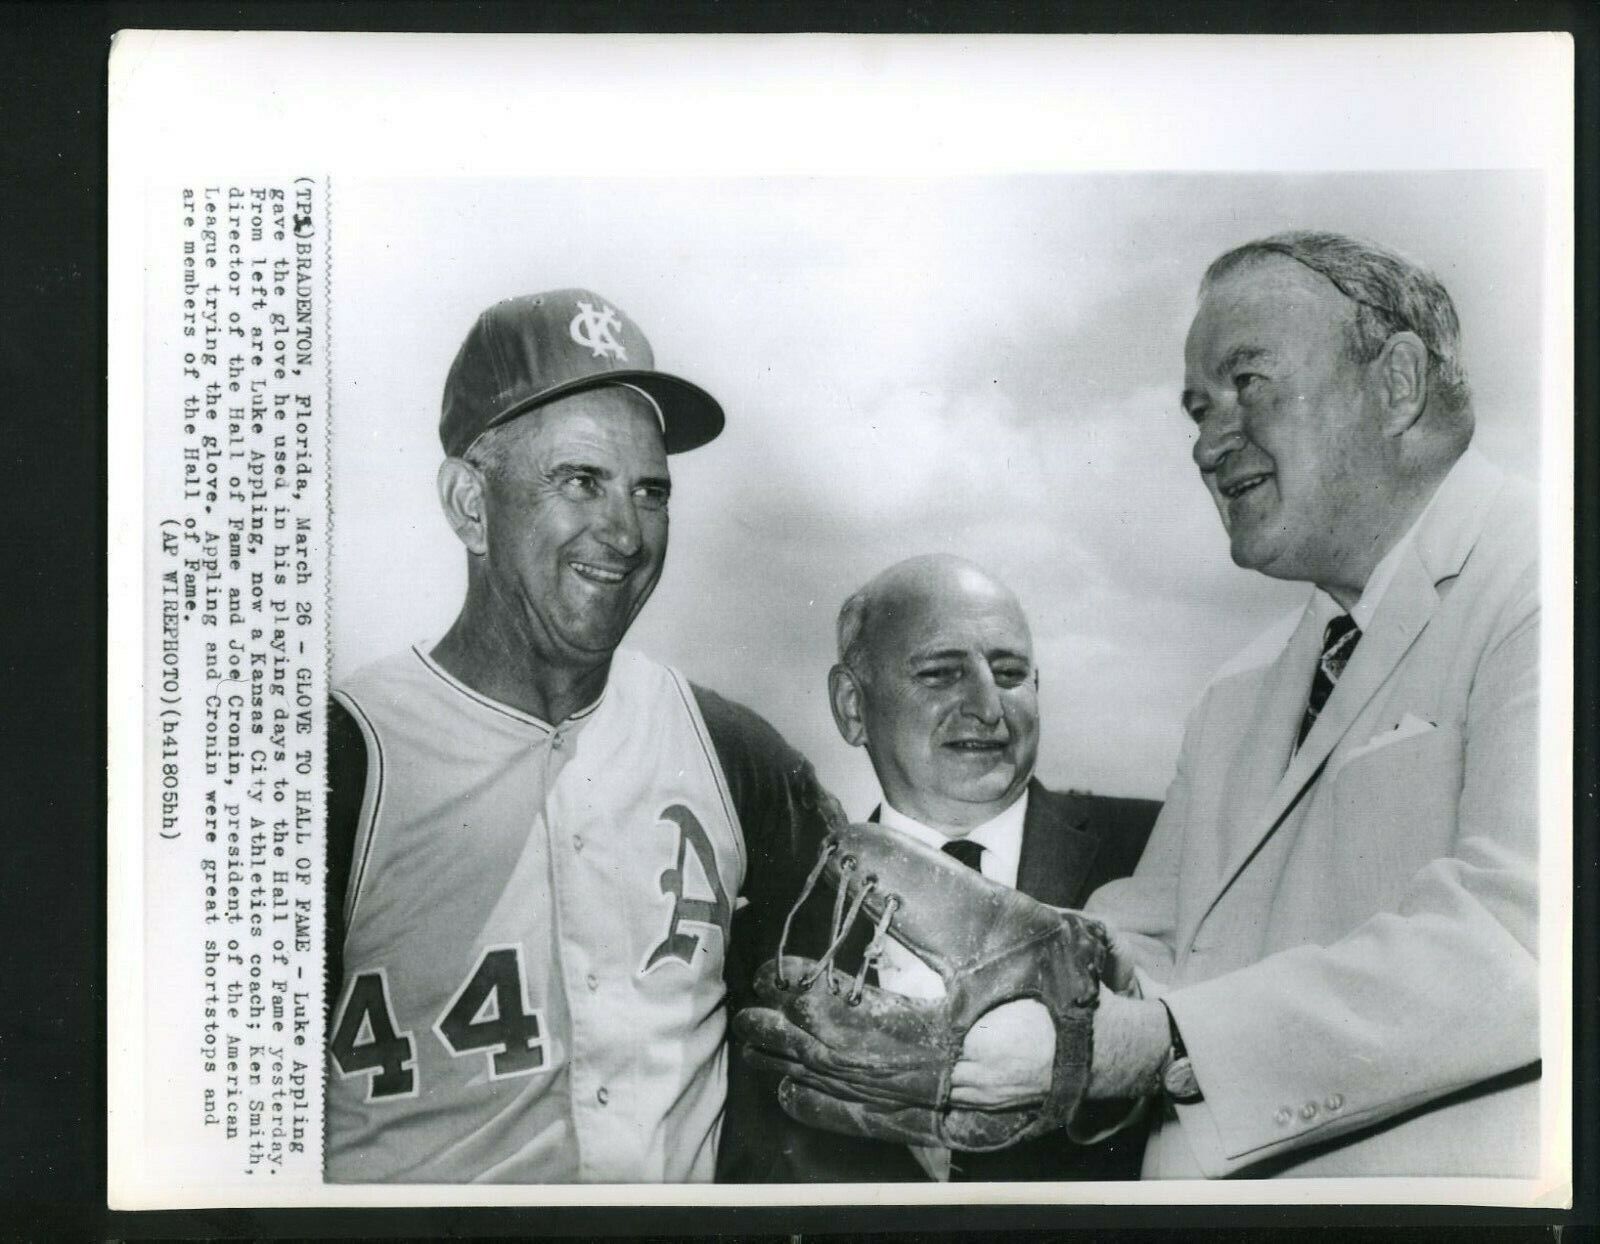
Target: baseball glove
(865, 1061)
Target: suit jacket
(1347, 934)
(1071, 844)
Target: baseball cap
(526, 352)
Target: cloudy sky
(987, 366)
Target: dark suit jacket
(1071, 845)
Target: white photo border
(684, 106)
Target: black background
(52, 764)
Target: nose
(1220, 435)
(618, 526)
(982, 697)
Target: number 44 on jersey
(489, 1014)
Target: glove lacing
(805, 892)
(842, 923)
(874, 951)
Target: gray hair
(852, 631)
(1391, 294)
(491, 451)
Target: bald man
(936, 681)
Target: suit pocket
(1394, 810)
(1410, 727)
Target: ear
(461, 495)
(845, 699)
(1401, 373)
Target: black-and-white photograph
(1161, 548)
(991, 678)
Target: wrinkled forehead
(1272, 296)
(614, 420)
(965, 614)
(1281, 324)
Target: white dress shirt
(1000, 838)
(1361, 613)
(900, 970)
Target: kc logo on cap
(593, 329)
(524, 353)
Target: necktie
(966, 852)
(1338, 642)
(961, 1168)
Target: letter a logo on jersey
(716, 911)
(592, 329)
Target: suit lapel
(1272, 705)
(1442, 543)
(1406, 608)
(1058, 848)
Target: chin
(994, 789)
(1276, 564)
(599, 641)
(600, 631)
(1249, 555)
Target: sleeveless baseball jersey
(536, 923)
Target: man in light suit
(936, 681)
(1329, 946)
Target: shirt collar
(1000, 837)
(1363, 611)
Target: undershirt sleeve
(347, 781)
(784, 814)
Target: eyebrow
(1234, 358)
(991, 654)
(1242, 354)
(575, 465)
(578, 464)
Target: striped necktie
(966, 852)
(1338, 642)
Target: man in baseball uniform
(537, 839)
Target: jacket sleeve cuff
(1205, 1141)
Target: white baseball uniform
(535, 927)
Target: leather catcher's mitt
(868, 1062)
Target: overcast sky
(984, 366)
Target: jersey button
(601, 1095)
(593, 981)
(577, 842)
(555, 741)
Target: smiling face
(576, 524)
(1289, 443)
(949, 706)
